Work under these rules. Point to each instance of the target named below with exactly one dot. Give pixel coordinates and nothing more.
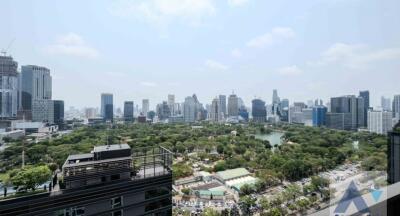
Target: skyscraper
(189, 109)
(163, 111)
(222, 104)
(36, 93)
(171, 99)
(319, 115)
(275, 97)
(394, 155)
(215, 114)
(379, 121)
(128, 111)
(8, 87)
(107, 106)
(350, 104)
(145, 106)
(285, 103)
(396, 107)
(365, 96)
(258, 110)
(58, 113)
(233, 106)
(386, 104)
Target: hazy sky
(150, 48)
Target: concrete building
(8, 87)
(90, 113)
(43, 110)
(107, 107)
(104, 182)
(339, 121)
(233, 105)
(128, 111)
(379, 121)
(163, 111)
(350, 104)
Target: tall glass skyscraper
(8, 87)
(319, 116)
(107, 108)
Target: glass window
(117, 213)
(116, 202)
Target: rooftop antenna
(4, 51)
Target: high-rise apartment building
(8, 87)
(36, 93)
(365, 96)
(128, 111)
(107, 106)
(145, 106)
(258, 110)
(379, 121)
(104, 182)
(222, 104)
(233, 105)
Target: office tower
(379, 121)
(104, 182)
(394, 155)
(171, 99)
(233, 105)
(300, 105)
(258, 110)
(163, 111)
(350, 104)
(222, 104)
(275, 97)
(386, 104)
(310, 103)
(339, 121)
(90, 113)
(243, 113)
(189, 110)
(319, 116)
(396, 107)
(215, 113)
(128, 111)
(285, 103)
(58, 113)
(307, 116)
(8, 87)
(36, 92)
(107, 106)
(145, 106)
(365, 96)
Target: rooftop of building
(111, 147)
(233, 173)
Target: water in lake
(273, 137)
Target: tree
(29, 177)
(185, 191)
(245, 203)
(246, 189)
(210, 212)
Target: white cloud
(235, 3)
(355, 56)
(163, 12)
(275, 36)
(214, 65)
(73, 45)
(148, 84)
(290, 71)
(236, 53)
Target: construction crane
(4, 51)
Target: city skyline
(137, 55)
